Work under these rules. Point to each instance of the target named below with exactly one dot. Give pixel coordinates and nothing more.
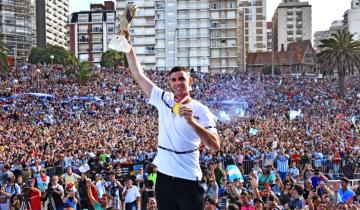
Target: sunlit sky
(323, 11)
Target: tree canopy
(340, 54)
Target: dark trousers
(131, 206)
(178, 194)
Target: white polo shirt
(176, 134)
(131, 194)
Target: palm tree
(340, 54)
(3, 63)
(84, 72)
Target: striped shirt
(282, 163)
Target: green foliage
(42, 55)
(266, 70)
(84, 72)
(113, 59)
(3, 63)
(340, 54)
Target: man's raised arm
(137, 71)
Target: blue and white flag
(223, 116)
(234, 173)
(253, 131)
(294, 114)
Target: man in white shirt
(131, 196)
(184, 123)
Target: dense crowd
(109, 126)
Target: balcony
(96, 40)
(97, 30)
(97, 49)
(82, 31)
(83, 40)
(160, 5)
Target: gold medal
(176, 108)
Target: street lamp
(52, 59)
(15, 82)
(38, 71)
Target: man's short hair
(177, 69)
(344, 179)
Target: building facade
(299, 58)
(201, 35)
(142, 30)
(352, 19)
(51, 21)
(292, 21)
(255, 25)
(227, 37)
(16, 26)
(269, 36)
(91, 31)
(319, 35)
(182, 34)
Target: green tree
(340, 54)
(112, 59)
(266, 70)
(3, 63)
(84, 72)
(42, 55)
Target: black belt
(176, 152)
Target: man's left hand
(187, 113)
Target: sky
(324, 12)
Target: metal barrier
(327, 167)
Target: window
(83, 18)
(110, 28)
(110, 17)
(308, 58)
(96, 17)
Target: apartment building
(91, 31)
(51, 21)
(227, 36)
(352, 19)
(269, 36)
(319, 35)
(291, 22)
(16, 26)
(142, 30)
(182, 34)
(255, 25)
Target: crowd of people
(69, 146)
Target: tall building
(142, 30)
(91, 31)
(16, 22)
(352, 19)
(227, 36)
(201, 35)
(51, 21)
(255, 25)
(319, 35)
(291, 22)
(182, 34)
(269, 36)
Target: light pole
(52, 59)
(15, 82)
(38, 71)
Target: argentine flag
(234, 173)
(253, 131)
